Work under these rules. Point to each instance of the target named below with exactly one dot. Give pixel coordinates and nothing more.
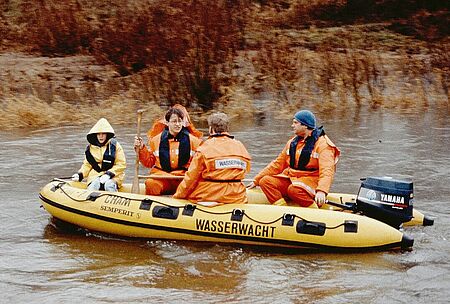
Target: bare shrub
(55, 27)
(337, 12)
(184, 49)
(416, 73)
(327, 73)
(373, 78)
(4, 30)
(181, 45)
(440, 62)
(312, 12)
(281, 70)
(352, 78)
(214, 32)
(133, 38)
(324, 77)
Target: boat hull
(141, 216)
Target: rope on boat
(98, 195)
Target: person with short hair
(104, 163)
(218, 167)
(160, 124)
(304, 171)
(169, 153)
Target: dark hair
(172, 111)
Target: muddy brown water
(41, 264)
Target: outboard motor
(386, 199)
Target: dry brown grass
(335, 67)
(178, 46)
(218, 55)
(32, 112)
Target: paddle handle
(135, 185)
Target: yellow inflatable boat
(158, 217)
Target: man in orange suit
(218, 167)
(304, 171)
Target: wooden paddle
(135, 185)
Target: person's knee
(299, 196)
(111, 186)
(94, 185)
(152, 187)
(266, 180)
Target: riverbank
(280, 66)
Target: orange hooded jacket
(216, 172)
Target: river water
(40, 264)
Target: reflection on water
(41, 264)
(102, 259)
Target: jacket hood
(102, 126)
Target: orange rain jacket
(150, 157)
(324, 157)
(216, 172)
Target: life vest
(318, 176)
(184, 150)
(305, 154)
(108, 157)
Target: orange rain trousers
(161, 186)
(275, 188)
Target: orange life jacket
(317, 174)
(151, 157)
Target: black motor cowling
(386, 199)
